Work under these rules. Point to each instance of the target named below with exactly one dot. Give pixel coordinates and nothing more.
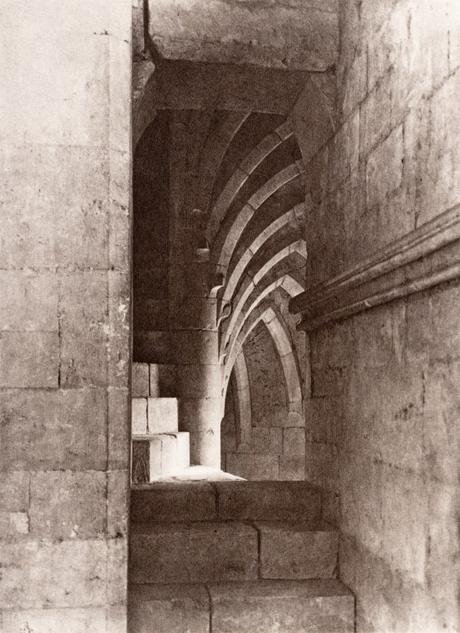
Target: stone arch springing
(285, 350)
(294, 217)
(243, 399)
(287, 282)
(244, 170)
(224, 244)
(249, 283)
(213, 153)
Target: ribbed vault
(242, 185)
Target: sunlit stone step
(159, 455)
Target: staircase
(234, 557)
(159, 449)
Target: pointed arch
(284, 347)
(213, 153)
(249, 283)
(226, 240)
(244, 170)
(293, 216)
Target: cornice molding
(423, 258)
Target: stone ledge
(226, 501)
(422, 259)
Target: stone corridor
(229, 333)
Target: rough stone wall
(276, 449)
(64, 318)
(383, 418)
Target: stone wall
(64, 319)
(383, 418)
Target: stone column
(199, 377)
(192, 309)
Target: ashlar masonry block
(162, 414)
(140, 380)
(197, 552)
(139, 416)
(297, 550)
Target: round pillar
(199, 379)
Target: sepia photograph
(229, 316)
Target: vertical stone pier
(192, 309)
(199, 380)
(64, 321)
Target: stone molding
(421, 259)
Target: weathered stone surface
(163, 381)
(268, 500)
(162, 415)
(140, 462)
(294, 442)
(385, 168)
(160, 455)
(61, 190)
(84, 325)
(140, 381)
(196, 381)
(13, 525)
(253, 467)
(67, 429)
(139, 423)
(119, 431)
(173, 502)
(29, 359)
(380, 431)
(297, 550)
(173, 608)
(51, 620)
(67, 505)
(202, 418)
(196, 552)
(196, 347)
(152, 347)
(306, 35)
(292, 468)
(266, 441)
(32, 301)
(117, 577)
(268, 393)
(58, 574)
(118, 485)
(291, 606)
(14, 487)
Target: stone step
(230, 500)
(293, 550)
(154, 415)
(212, 551)
(159, 455)
(263, 606)
(153, 380)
